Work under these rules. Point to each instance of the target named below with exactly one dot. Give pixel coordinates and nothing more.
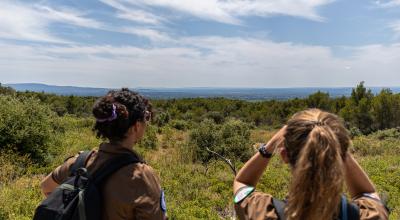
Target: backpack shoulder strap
(353, 211)
(112, 166)
(80, 162)
(349, 210)
(279, 208)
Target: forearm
(253, 169)
(357, 180)
(251, 172)
(48, 185)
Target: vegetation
(25, 126)
(38, 131)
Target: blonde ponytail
(314, 143)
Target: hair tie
(317, 123)
(112, 117)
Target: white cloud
(31, 22)
(133, 14)
(151, 34)
(23, 23)
(231, 11)
(68, 16)
(388, 4)
(395, 26)
(201, 61)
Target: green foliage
(193, 190)
(162, 119)
(235, 136)
(230, 140)
(217, 117)
(179, 124)
(19, 199)
(206, 135)
(357, 111)
(192, 193)
(393, 134)
(149, 140)
(320, 100)
(386, 110)
(5, 90)
(25, 126)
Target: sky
(200, 43)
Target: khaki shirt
(132, 192)
(259, 206)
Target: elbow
(43, 187)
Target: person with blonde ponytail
(315, 144)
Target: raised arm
(357, 181)
(252, 171)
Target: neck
(126, 143)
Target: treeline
(364, 112)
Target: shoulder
(371, 207)
(137, 178)
(254, 205)
(141, 172)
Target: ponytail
(315, 152)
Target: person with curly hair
(133, 191)
(315, 144)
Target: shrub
(179, 125)
(235, 136)
(162, 119)
(218, 117)
(149, 140)
(25, 126)
(230, 140)
(387, 134)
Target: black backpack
(79, 197)
(348, 211)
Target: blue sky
(198, 43)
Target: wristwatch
(263, 151)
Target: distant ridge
(170, 93)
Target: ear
(284, 156)
(134, 128)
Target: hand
(277, 141)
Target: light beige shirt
(259, 206)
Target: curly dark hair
(130, 107)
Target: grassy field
(193, 191)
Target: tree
(5, 90)
(385, 110)
(357, 112)
(319, 100)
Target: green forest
(38, 131)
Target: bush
(231, 140)
(162, 119)
(149, 140)
(25, 126)
(179, 125)
(387, 134)
(206, 135)
(235, 136)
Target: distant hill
(169, 93)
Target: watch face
(263, 151)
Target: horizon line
(202, 87)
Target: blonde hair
(316, 143)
